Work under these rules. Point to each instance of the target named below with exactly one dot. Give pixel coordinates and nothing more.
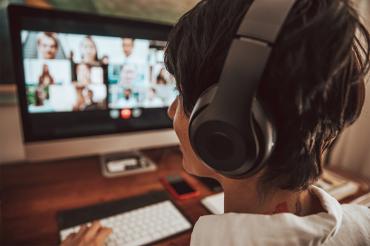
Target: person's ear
(172, 108)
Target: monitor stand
(125, 163)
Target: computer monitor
(90, 84)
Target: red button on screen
(125, 114)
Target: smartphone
(179, 187)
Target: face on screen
(73, 72)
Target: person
(47, 45)
(40, 96)
(105, 60)
(314, 87)
(45, 79)
(127, 101)
(133, 66)
(128, 47)
(91, 61)
(165, 78)
(83, 72)
(89, 52)
(90, 104)
(152, 100)
(129, 70)
(161, 78)
(129, 75)
(80, 103)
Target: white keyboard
(142, 226)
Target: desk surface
(32, 194)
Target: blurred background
(155, 10)
(167, 11)
(351, 151)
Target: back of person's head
(313, 84)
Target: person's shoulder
(357, 212)
(354, 228)
(257, 229)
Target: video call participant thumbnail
(47, 45)
(43, 45)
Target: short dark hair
(313, 84)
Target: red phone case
(173, 192)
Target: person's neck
(243, 196)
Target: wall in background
(155, 10)
(352, 149)
(351, 152)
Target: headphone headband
(264, 20)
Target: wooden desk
(32, 194)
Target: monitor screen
(83, 77)
(73, 72)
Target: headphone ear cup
(218, 147)
(222, 145)
(265, 131)
(260, 140)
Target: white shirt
(339, 225)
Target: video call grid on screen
(74, 72)
(66, 91)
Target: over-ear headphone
(230, 129)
